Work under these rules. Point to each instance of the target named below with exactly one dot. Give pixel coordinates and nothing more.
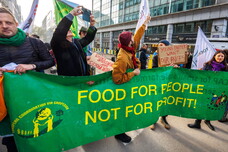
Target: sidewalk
(179, 138)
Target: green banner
(61, 10)
(61, 113)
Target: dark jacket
(70, 57)
(26, 54)
(208, 67)
(143, 58)
(189, 63)
(155, 61)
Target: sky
(44, 7)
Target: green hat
(83, 29)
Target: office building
(174, 20)
(14, 7)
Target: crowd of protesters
(71, 56)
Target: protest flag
(143, 13)
(203, 51)
(26, 25)
(62, 8)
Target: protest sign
(172, 54)
(100, 63)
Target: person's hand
(2, 70)
(22, 68)
(88, 58)
(92, 20)
(136, 71)
(90, 82)
(148, 18)
(174, 65)
(76, 11)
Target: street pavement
(179, 138)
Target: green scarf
(15, 40)
(85, 49)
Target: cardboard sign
(100, 63)
(172, 54)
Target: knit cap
(125, 38)
(165, 42)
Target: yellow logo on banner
(41, 119)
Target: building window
(192, 27)
(121, 12)
(196, 3)
(148, 31)
(166, 9)
(157, 2)
(164, 1)
(189, 4)
(135, 2)
(208, 26)
(156, 30)
(208, 2)
(180, 5)
(173, 7)
(189, 27)
(154, 11)
(227, 30)
(131, 2)
(127, 10)
(159, 11)
(180, 28)
(121, 6)
(126, 18)
(120, 20)
(107, 34)
(127, 4)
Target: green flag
(61, 10)
(51, 113)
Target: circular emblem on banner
(39, 119)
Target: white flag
(203, 52)
(27, 23)
(143, 13)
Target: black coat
(27, 54)
(208, 67)
(155, 61)
(143, 58)
(70, 57)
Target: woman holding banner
(217, 63)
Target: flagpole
(92, 6)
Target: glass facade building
(14, 8)
(109, 12)
(115, 16)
